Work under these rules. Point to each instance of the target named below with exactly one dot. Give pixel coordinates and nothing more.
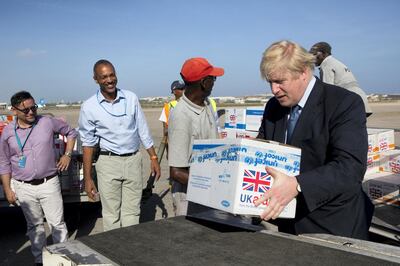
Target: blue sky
(49, 47)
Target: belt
(36, 182)
(110, 153)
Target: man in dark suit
(331, 132)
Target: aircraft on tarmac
(41, 103)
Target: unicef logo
(225, 203)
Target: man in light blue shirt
(114, 119)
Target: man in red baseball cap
(193, 118)
(195, 69)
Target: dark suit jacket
(331, 132)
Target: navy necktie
(294, 116)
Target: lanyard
(20, 145)
(115, 115)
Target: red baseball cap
(195, 69)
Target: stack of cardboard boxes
(242, 122)
(382, 178)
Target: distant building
(62, 105)
(224, 99)
(3, 106)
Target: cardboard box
(228, 133)
(254, 117)
(372, 144)
(246, 134)
(380, 139)
(233, 133)
(390, 161)
(235, 118)
(229, 174)
(383, 188)
(373, 163)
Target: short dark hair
(102, 62)
(323, 47)
(19, 97)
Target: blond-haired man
(328, 123)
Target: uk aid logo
(255, 182)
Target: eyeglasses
(26, 110)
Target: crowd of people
(325, 117)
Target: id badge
(22, 161)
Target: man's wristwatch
(68, 153)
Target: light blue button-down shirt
(120, 125)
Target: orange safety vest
(168, 107)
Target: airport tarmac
(85, 219)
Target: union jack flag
(256, 181)
(395, 167)
(384, 146)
